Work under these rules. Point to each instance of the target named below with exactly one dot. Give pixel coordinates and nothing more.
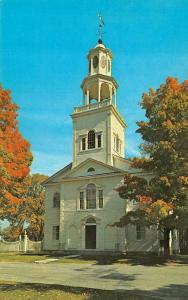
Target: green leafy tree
(34, 208)
(162, 199)
(30, 212)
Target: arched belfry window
(91, 139)
(91, 196)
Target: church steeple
(99, 85)
(98, 128)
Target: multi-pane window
(100, 198)
(140, 232)
(81, 200)
(91, 139)
(99, 141)
(83, 143)
(91, 196)
(117, 144)
(56, 200)
(55, 233)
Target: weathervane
(100, 30)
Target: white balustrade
(90, 106)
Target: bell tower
(98, 128)
(99, 85)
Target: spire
(100, 29)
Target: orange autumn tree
(162, 200)
(15, 158)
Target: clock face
(95, 61)
(103, 61)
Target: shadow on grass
(145, 259)
(171, 292)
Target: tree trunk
(167, 251)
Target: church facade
(81, 199)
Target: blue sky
(44, 44)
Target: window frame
(140, 232)
(85, 142)
(55, 232)
(100, 199)
(91, 139)
(91, 196)
(81, 201)
(99, 140)
(99, 202)
(56, 202)
(117, 144)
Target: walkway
(169, 282)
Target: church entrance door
(90, 237)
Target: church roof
(68, 172)
(60, 172)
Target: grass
(136, 259)
(30, 258)
(19, 257)
(27, 291)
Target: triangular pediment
(88, 168)
(91, 167)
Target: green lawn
(147, 259)
(19, 257)
(29, 258)
(26, 291)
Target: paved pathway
(168, 282)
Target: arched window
(91, 196)
(91, 139)
(91, 169)
(56, 200)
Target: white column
(170, 242)
(83, 235)
(20, 242)
(110, 88)
(91, 66)
(99, 91)
(87, 97)
(115, 97)
(97, 191)
(61, 225)
(25, 241)
(175, 242)
(84, 98)
(85, 191)
(75, 145)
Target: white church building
(81, 201)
